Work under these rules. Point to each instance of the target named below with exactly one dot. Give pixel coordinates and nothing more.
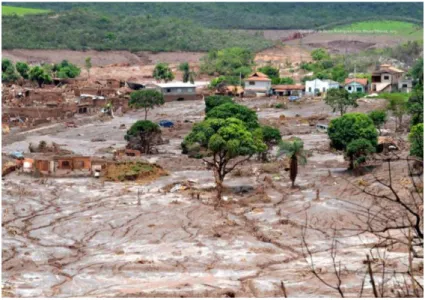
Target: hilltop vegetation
(21, 11)
(83, 30)
(254, 15)
(384, 27)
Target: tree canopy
(379, 117)
(340, 100)
(350, 127)
(39, 75)
(66, 69)
(229, 110)
(22, 69)
(163, 72)
(229, 61)
(8, 71)
(143, 135)
(146, 99)
(216, 100)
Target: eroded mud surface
(84, 237)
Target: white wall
(258, 85)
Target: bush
(416, 139)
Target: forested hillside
(254, 15)
(82, 30)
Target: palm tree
(295, 151)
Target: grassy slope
(384, 27)
(21, 11)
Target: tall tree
(295, 151)
(224, 141)
(340, 100)
(163, 72)
(397, 104)
(146, 99)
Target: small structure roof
(176, 84)
(362, 81)
(258, 76)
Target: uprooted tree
(143, 135)
(355, 134)
(146, 99)
(223, 140)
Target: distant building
(313, 87)
(405, 85)
(258, 83)
(356, 85)
(386, 79)
(178, 91)
(288, 89)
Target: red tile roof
(362, 81)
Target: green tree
(350, 127)
(8, 71)
(22, 69)
(146, 99)
(88, 65)
(283, 80)
(358, 151)
(143, 135)
(229, 110)
(340, 100)
(188, 75)
(39, 75)
(163, 72)
(270, 71)
(271, 136)
(416, 139)
(379, 117)
(295, 151)
(224, 140)
(397, 104)
(230, 62)
(415, 105)
(66, 69)
(319, 54)
(216, 100)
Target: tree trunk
(146, 114)
(351, 162)
(293, 170)
(218, 184)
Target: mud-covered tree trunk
(293, 170)
(146, 114)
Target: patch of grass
(21, 11)
(134, 171)
(383, 27)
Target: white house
(316, 86)
(178, 91)
(259, 83)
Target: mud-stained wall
(41, 112)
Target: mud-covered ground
(84, 237)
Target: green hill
(83, 30)
(269, 15)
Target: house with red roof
(353, 85)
